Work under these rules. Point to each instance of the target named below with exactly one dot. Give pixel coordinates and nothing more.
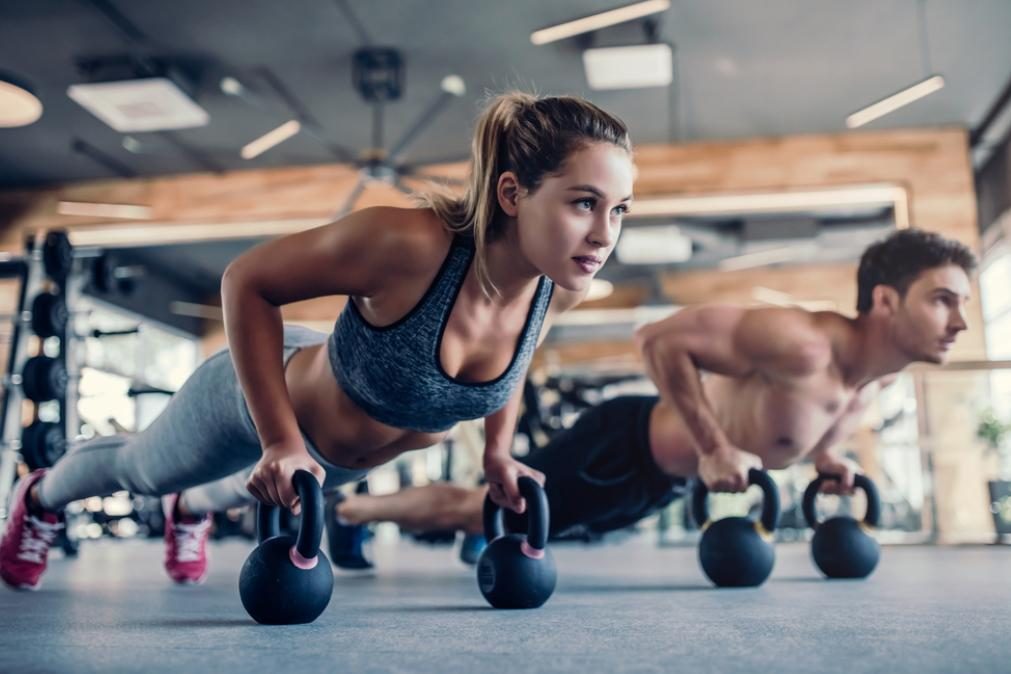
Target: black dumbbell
(49, 315)
(43, 378)
(842, 546)
(57, 255)
(42, 444)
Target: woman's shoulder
(415, 238)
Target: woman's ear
(508, 193)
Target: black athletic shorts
(601, 475)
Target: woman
(447, 303)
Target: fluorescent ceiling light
(769, 256)
(665, 244)
(18, 105)
(98, 210)
(148, 104)
(634, 67)
(270, 139)
(895, 101)
(597, 21)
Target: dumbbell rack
(32, 270)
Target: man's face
(931, 314)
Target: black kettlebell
(287, 581)
(517, 570)
(738, 551)
(842, 546)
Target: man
(781, 384)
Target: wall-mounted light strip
(760, 258)
(777, 202)
(270, 139)
(895, 101)
(594, 22)
(99, 210)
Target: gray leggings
(204, 442)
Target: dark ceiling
(743, 68)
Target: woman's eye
(621, 209)
(587, 203)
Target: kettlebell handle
(310, 534)
(860, 481)
(537, 515)
(770, 500)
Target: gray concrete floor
(619, 608)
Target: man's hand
(726, 468)
(829, 464)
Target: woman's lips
(588, 263)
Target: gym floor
(629, 607)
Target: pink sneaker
(27, 538)
(185, 545)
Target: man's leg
(438, 505)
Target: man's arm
(825, 456)
(731, 341)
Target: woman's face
(569, 225)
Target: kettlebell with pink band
(288, 581)
(517, 570)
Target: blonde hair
(531, 136)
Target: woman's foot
(30, 532)
(185, 543)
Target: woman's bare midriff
(341, 431)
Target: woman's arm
(359, 255)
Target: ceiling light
(632, 67)
(231, 86)
(597, 21)
(895, 101)
(270, 139)
(18, 105)
(454, 84)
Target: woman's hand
(271, 480)
(502, 473)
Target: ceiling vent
(133, 96)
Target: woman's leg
(202, 435)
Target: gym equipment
(517, 570)
(288, 581)
(57, 256)
(49, 315)
(42, 444)
(109, 276)
(738, 551)
(842, 546)
(43, 379)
